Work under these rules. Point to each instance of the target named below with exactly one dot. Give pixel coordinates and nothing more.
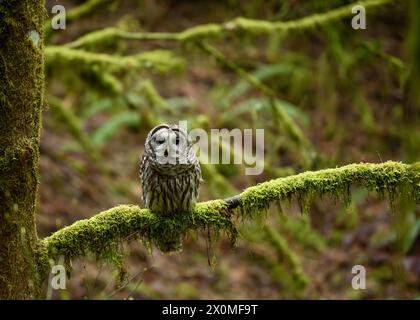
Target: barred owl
(170, 171)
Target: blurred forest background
(340, 96)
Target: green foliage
(301, 231)
(111, 127)
(285, 253)
(263, 73)
(73, 124)
(216, 182)
(283, 121)
(262, 104)
(411, 236)
(100, 105)
(152, 96)
(414, 51)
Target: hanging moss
(384, 177)
(127, 222)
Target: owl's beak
(166, 153)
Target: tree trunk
(21, 101)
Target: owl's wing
(142, 174)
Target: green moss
(103, 72)
(384, 177)
(162, 61)
(200, 32)
(109, 36)
(123, 223)
(309, 22)
(105, 231)
(242, 25)
(103, 36)
(21, 102)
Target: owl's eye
(160, 140)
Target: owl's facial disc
(170, 146)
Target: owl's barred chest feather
(170, 189)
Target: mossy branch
(237, 25)
(109, 228)
(161, 61)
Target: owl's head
(169, 145)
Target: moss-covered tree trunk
(21, 100)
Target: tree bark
(21, 101)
